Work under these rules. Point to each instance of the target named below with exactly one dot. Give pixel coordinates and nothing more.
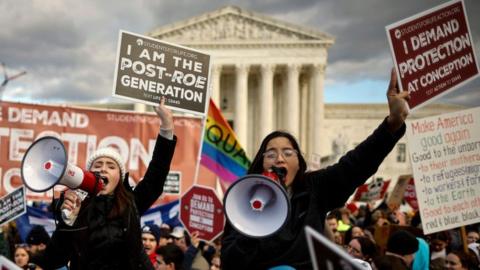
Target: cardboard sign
(327, 255)
(12, 205)
(148, 69)
(445, 157)
(433, 52)
(396, 196)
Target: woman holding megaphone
(103, 230)
(311, 194)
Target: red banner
(84, 130)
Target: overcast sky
(68, 47)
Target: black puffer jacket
(324, 190)
(96, 242)
(105, 243)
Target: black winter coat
(325, 190)
(96, 242)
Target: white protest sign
(6, 264)
(445, 157)
(148, 69)
(172, 184)
(327, 255)
(433, 52)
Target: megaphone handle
(67, 217)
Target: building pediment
(235, 25)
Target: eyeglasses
(287, 153)
(22, 245)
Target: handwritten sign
(445, 156)
(148, 69)
(433, 52)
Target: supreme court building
(268, 74)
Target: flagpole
(199, 156)
(204, 119)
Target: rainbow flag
(221, 151)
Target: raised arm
(397, 104)
(151, 187)
(166, 117)
(357, 165)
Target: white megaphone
(256, 205)
(45, 164)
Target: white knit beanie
(110, 153)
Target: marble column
(241, 103)
(292, 104)
(318, 108)
(304, 113)
(266, 100)
(216, 75)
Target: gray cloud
(68, 47)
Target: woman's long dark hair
(468, 260)
(122, 200)
(369, 248)
(257, 163)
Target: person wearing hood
(105, 232)
(422, 257)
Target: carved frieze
(232, 27)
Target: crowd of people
(103, 231)
(392, 239)
(356, 228)
(166, 248)
(176, 249)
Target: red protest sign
(202, 211)
(410, 195)
(433, 52)
(372, 191)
